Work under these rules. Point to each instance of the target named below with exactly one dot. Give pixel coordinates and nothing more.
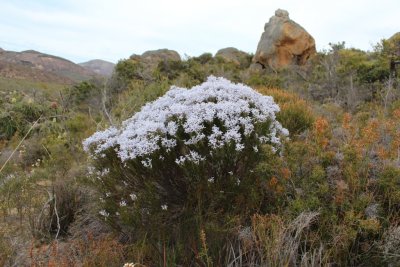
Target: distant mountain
(99, 66)
(36, 66)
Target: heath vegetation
(297, 167)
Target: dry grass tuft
(272, 242)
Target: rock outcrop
(234, 55)
(150, 60)
(283, 43)
(153, 57)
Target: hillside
(23, 72)
(99, 66)
(286, 157)
(35, 66)
(212, 195)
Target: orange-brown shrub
(296, 114)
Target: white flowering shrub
(189, 152)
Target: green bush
(203, 58)
(265, 79)
(296, 117)
(171, 69)
(389, 186)
(82, 91)
(8, 126)
(19, 117)
(128, 69)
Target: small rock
(256, 67)
(282, 13)
(372, 211)
(231, 54)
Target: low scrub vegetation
(301, 169)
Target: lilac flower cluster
(237, 107)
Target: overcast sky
(81, 30)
